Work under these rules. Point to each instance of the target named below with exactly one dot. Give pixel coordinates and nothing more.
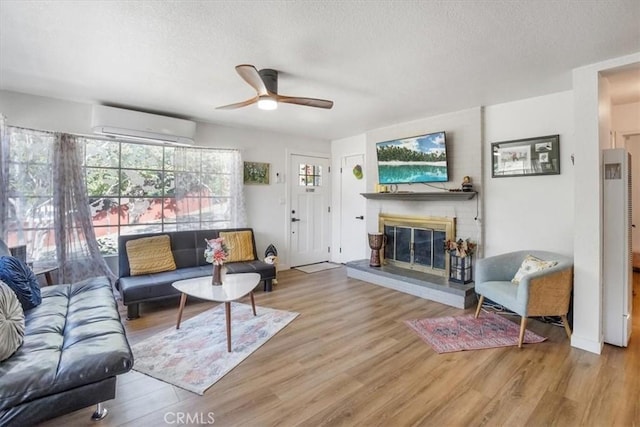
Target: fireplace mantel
(422, 196)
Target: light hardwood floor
(349, 360)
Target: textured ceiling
(381, 62)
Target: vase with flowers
(216, 253)
(460, 260)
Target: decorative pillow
(239, 244)
(150, 255)
(19, 277)
(530, 265)
(11, 322)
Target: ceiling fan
(265, 82)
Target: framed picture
(256, 173)
(526, 157)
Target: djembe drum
(376, 241)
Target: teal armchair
(542, 293)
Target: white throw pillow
(530, 265)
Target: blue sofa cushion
(21, 280)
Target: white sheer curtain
(209, 188)
(237, 207)
(4, 178)
(44, 201)
(186, 162)
(77, 249)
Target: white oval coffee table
(235, 287)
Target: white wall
(266, 204)
(42, 113)
(517, 211)
(625, 118)
(592, 119)
(530, 212)
(464, 150)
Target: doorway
(309, 230)
(353, 236)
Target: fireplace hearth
(413, 282)
(414, 260)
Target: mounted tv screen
(412, 160)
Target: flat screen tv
(411, 160)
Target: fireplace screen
(416, 248)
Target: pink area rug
(195, 356)
(458, 333)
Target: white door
(353, 235)
(617, 303)
(310, 231)
(633, 147)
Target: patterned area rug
(195, 356)
(458, 333)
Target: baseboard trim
(587, 344)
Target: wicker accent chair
(543, 293)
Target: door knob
(360, 217)
(295, 219)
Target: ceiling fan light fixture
(267, 103)
(265, 83)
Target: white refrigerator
(618, 273)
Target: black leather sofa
(74, 347)
(188, 253)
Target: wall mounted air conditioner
(135, 125)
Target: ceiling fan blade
(250, 74)
(309, 102)
(238, 104)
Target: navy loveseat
(188, 253)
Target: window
(132, 187)
(138, 188)
(30, 192)
(309, 175)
